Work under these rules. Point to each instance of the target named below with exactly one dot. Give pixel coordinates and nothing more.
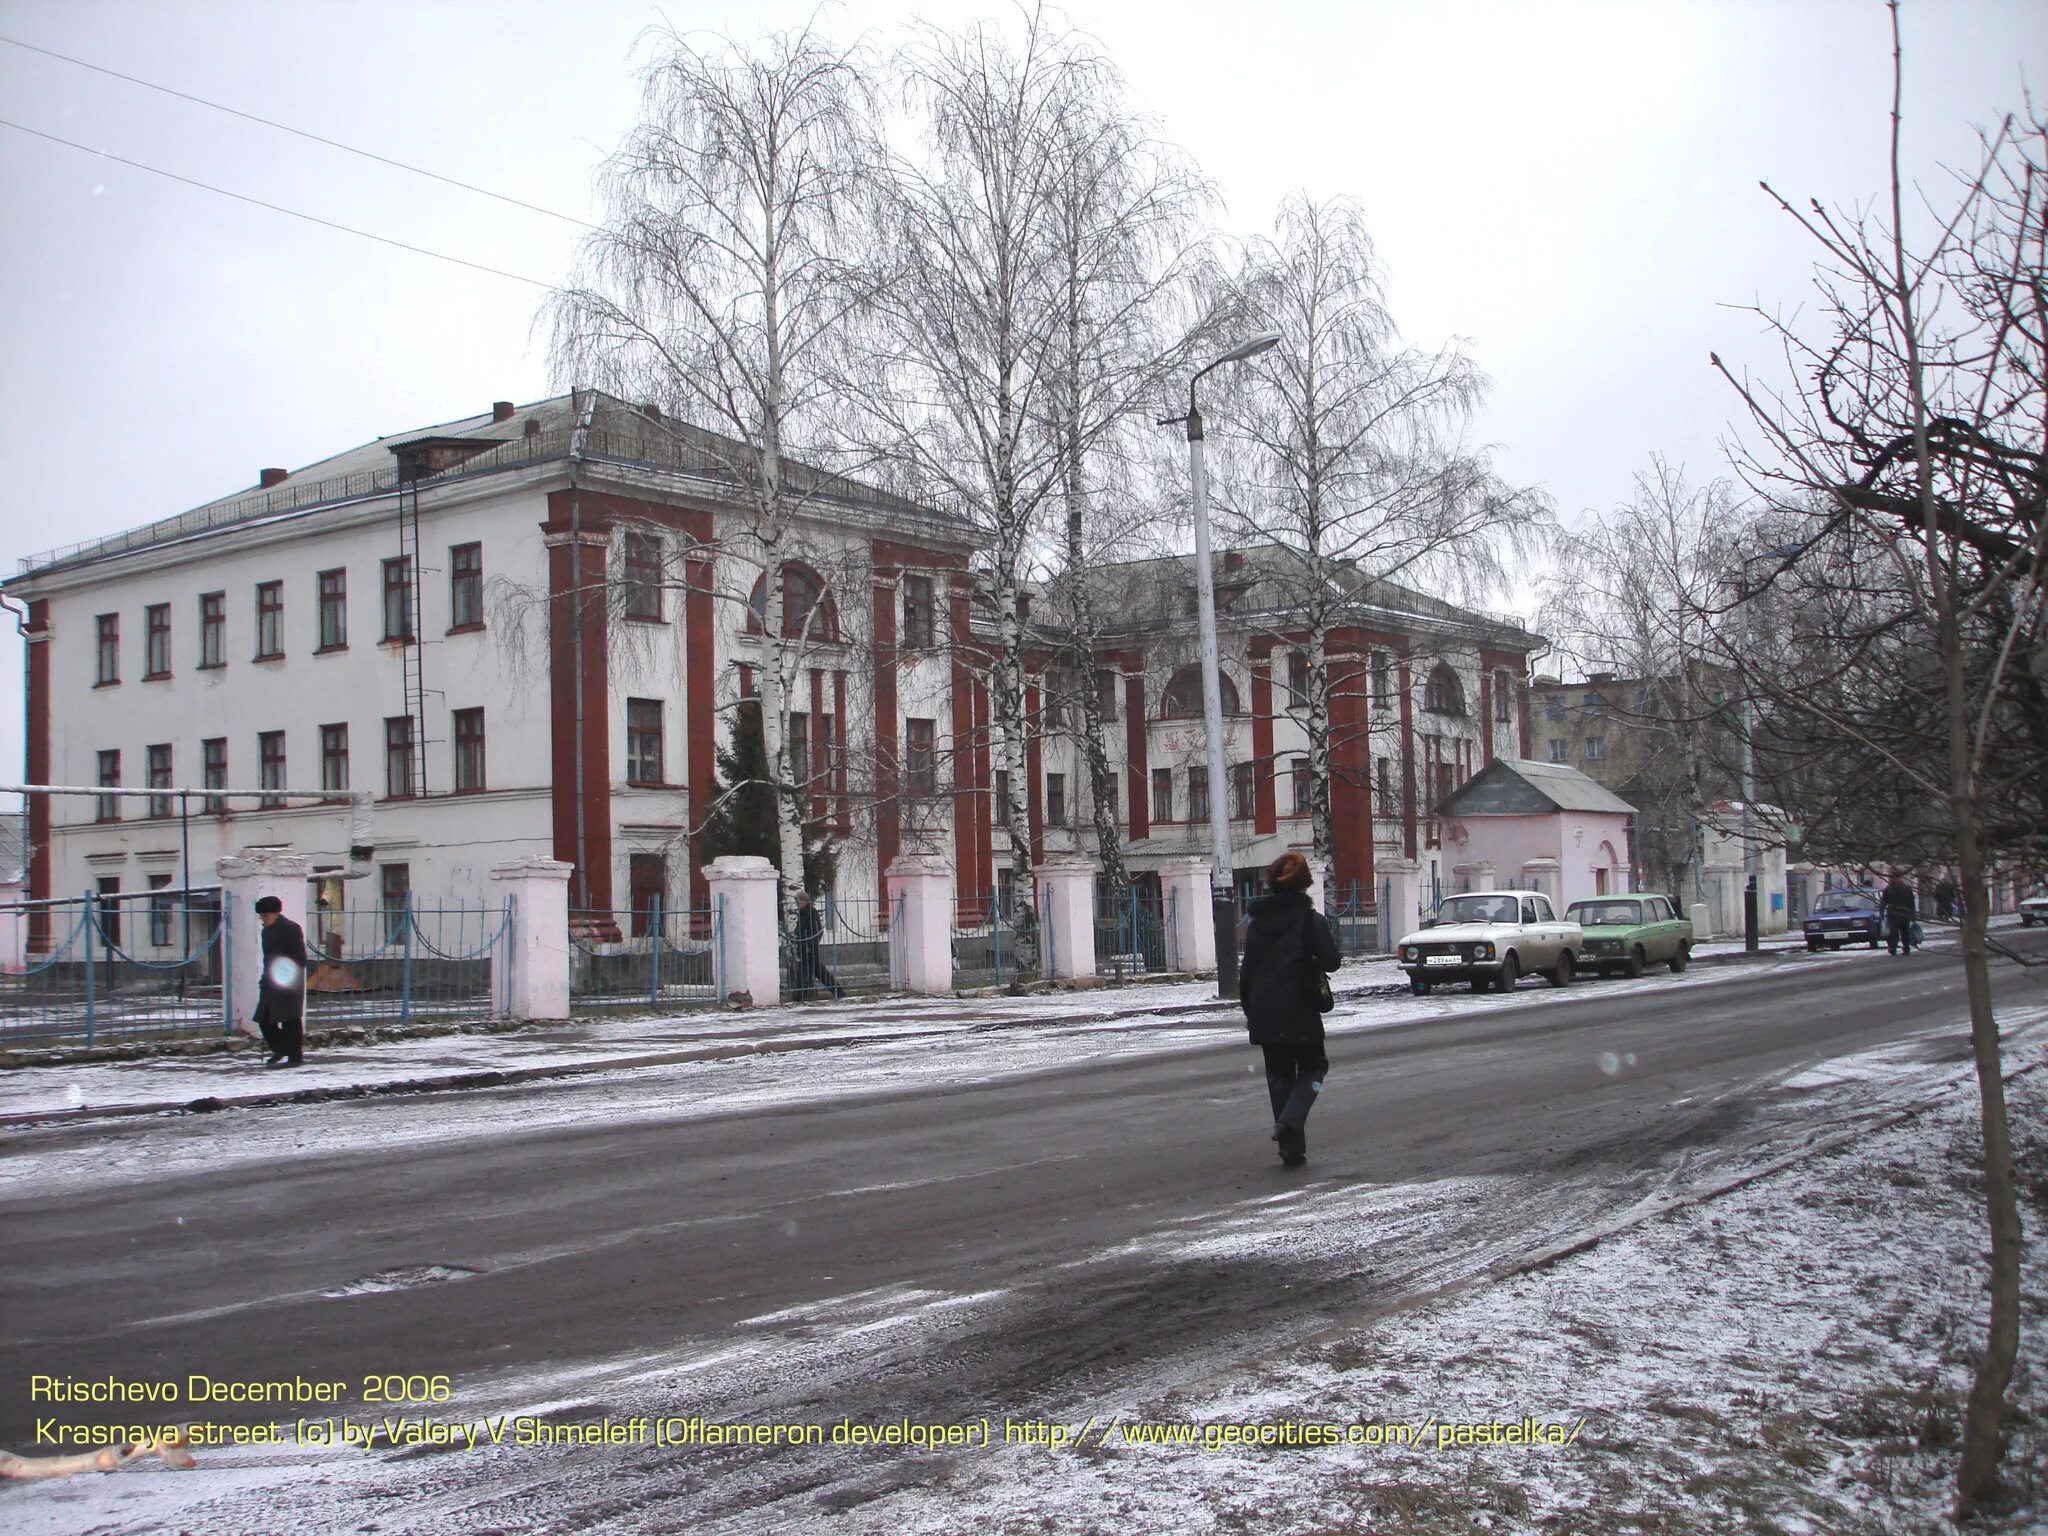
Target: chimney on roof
(270, 477)
(533, 426)
(651, 411)
(501, 410)
(1233, 560)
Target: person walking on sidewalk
(1288, 951)
(1897, 902)
(281, 996)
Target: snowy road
(1025, 1225)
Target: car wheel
(1418, 986)
(1681, 958)
(1634, 968)
(1813, 946)
(1561, 973)
(1873, 943)
(1510, 973)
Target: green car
(1627, 933)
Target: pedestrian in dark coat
(1288, 949)
(811, 975)
(1897, 902)
(281, 995)
(1945, 899)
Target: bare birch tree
(1916, 412)
(1347, 450)
(1124, 212)
(1638, 592)
(720, 287)
(969, 319)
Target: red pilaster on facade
(1265, 812)
(888, 814)
(700, 707)
(1408, 829)
(1350, 766)
(1137, 741)
(1034, 799)
(577, 539)
(968, 807)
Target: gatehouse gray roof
(1519, 786)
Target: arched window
(1182, 699)
(803, 590)
(1444, 695)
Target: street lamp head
(1252, 348)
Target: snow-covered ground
(1774, 1341)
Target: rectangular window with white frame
(643, 742)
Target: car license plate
(1441, 960)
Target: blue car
(1843, 917)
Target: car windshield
(1593, 914)
(1844, 901)
(1477, 909)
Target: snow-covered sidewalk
(1371, 993)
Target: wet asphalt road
(599, 1239)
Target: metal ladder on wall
(414, 659)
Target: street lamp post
(1222, 875)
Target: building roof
(1260, 585)
(1518, 786)
(618, 432)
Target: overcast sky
(1572, 187)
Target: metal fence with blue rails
(1355, 916)
(379, 965)
(850, 952)
(1134, 936)
(997, 940)
(109, 968)
(137, 965)
(646, 956)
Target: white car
(1492, 939)
(2034, 909)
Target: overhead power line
(366, 154)
(243, 197)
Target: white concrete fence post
(245, 878)
(749, 930)
(13, 926)
(1066, 900)
(920, 924)
(530, 965)
(1189, 915)
(1404, 900)
(1318, 885)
